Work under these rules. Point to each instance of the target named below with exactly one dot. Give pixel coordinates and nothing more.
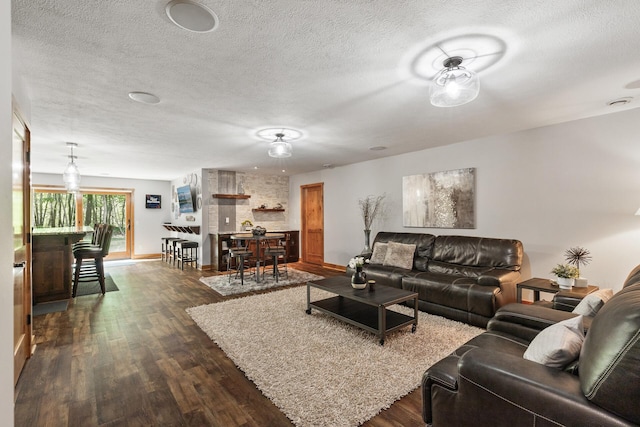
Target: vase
(367, 245)
(359, 279)
(564, 282)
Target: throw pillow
(379, 253)
(399, 255)
(558, 345)
(593, 302)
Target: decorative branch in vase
(370, 207)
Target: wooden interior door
(312, 211)
(21, 202)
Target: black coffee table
(364, 308)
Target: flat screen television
(185, 199)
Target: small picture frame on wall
(153, 201)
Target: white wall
(148, 227)
(6, 232)
(572, 184)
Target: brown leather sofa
(487, 382)
(459, 277)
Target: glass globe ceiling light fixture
(280, 148)
(71, 175)
(454, 85)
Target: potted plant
(565, 275)
(578, 256)
(246, 225)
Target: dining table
(258, 238)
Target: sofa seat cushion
(457, 270)
(457, 292)
(385, 275)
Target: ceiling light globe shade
(71, 174)
(280, 149)
(453, 87)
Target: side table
(545, 285)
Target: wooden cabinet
(52, 265)
(221, 244)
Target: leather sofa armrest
(549, 393)
(525, 320)
(498, 277)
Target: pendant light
(454, 85)
(280, 148)
(71, 175)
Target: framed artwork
(439, 200)
(153, 201)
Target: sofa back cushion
(478, 251)
(423, 242)
(633, 277)
(610, 356)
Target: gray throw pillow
(558, 345)
(399, 255)
(379, 253)
(593, 302)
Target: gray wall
(571, 184)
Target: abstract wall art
(440, 199)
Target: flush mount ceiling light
(280, 140)
(71, 175)
(191, 16)
(279, 148)
(454, 85)
(144, 97)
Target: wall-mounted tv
(185, 199)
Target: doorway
(54, 207)
(312, 212)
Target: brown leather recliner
(487, 382)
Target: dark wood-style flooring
(135, 358)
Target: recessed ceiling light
(620, 101)
(378, 148)
(191, 16)
(144, 97)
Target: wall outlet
(226, 220)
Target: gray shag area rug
(320, 371)
(223, 286)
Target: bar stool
(93, 268)
(187, 251)
(164, 255)
(276, 253)
(172, 249)
(242, 258)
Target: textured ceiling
(350, 74)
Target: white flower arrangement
(357, 261)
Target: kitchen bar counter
(52, 266)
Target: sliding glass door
(57, 208)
